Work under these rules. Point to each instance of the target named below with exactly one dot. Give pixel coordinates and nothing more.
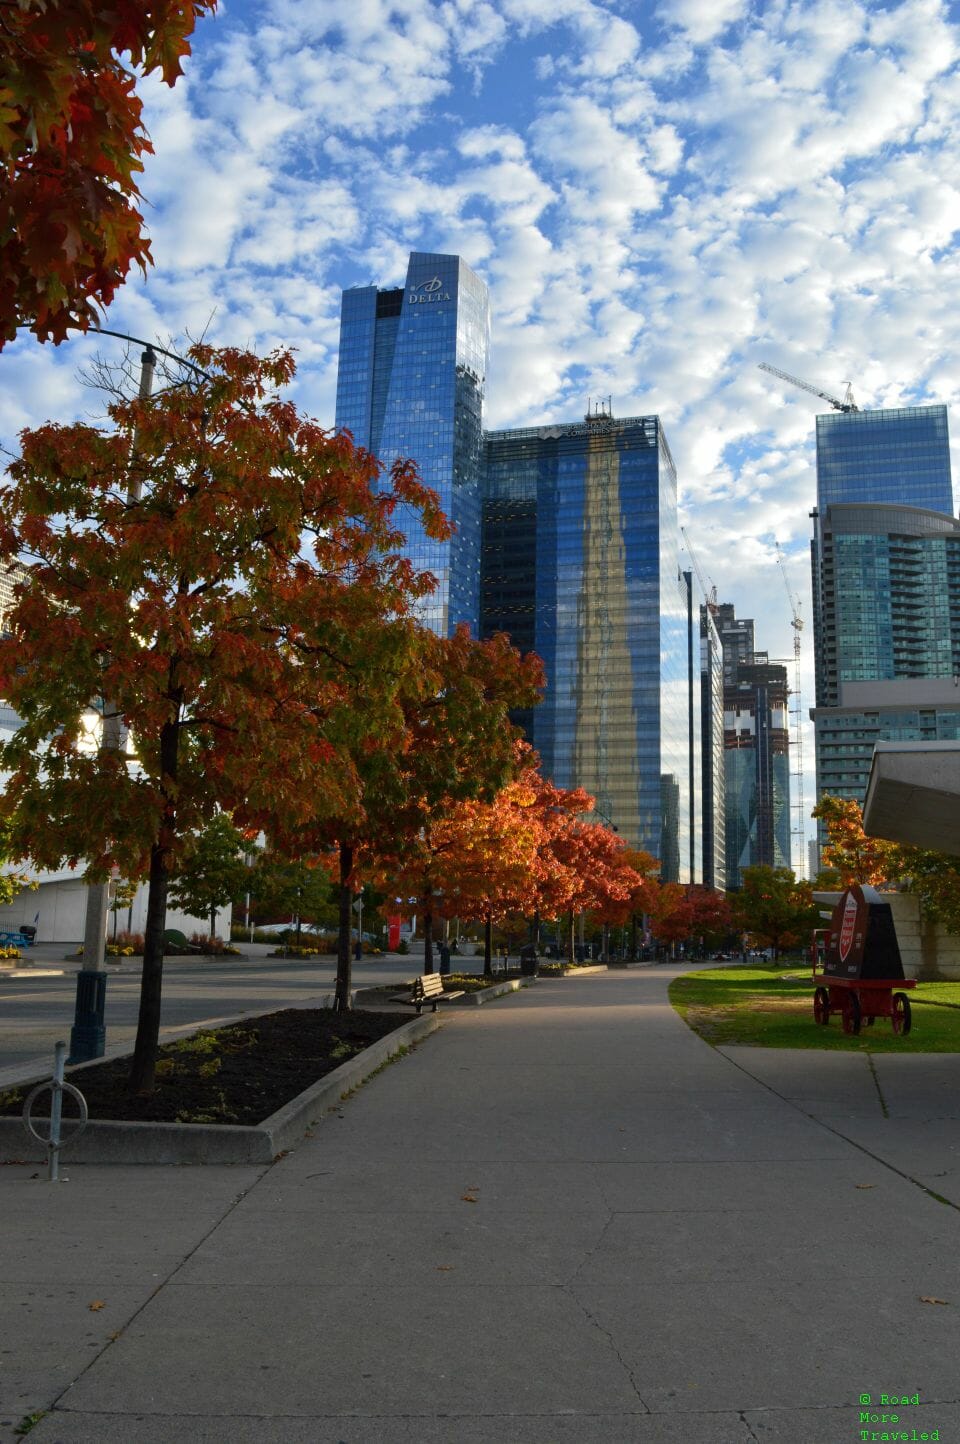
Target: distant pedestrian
(444, 951)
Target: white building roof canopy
(913, 795)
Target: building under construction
(756, 741)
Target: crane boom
(709, 595)
(847, 404)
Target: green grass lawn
(773, 1008)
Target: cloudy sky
(659, 197)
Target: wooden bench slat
(428, 988)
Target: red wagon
(861, 1001)
(857, 969)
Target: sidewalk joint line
(874, 1075)
(109, 1343)
(829, 1128)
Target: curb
(486, 995)
(113, 1142)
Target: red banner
(393, 934)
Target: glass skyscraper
(411, 378)
(580, 562)
(886, 589)
(887, 456)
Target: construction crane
(847, 404)
(709, 595)
(796, 621)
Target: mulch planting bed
(239, 1074)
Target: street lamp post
(88, 1034)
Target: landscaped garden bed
(770, 1007)
(240, 1074)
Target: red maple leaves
(71, 142)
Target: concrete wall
(926, 949)
(61, 904)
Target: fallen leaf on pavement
(97, 1304)
(444, 1268)
(929, 1299)
(467, 1198)
(864, 1185)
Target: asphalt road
(36, 1012)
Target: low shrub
(214, 947)
(123, 939)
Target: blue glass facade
(886, 588)
(580, 562)
(411, 378)
(887, 456)
(888, 585)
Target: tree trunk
(571, 956)
(488, 946)
(605, 945)
(428, 932)
(633, 937)
(151, 982)
(341, 1000)
(142, 1068)
(213, 922)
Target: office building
(411, 378)
(893, 456)
(580, 563)
(756, 751)
(580, 557)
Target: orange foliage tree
(855, 857)
(71, 142)
(202, 588)
(443, 737)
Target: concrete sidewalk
(562, 1218)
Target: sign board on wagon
(862, 940)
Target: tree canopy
(71, 145)
(202, 588)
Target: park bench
(428, 988)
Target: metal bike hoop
(76, 1125)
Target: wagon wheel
(901, 1017)
(851, 1013)
(821, 1007)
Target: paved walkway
(562, 1218)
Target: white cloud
(659, 199)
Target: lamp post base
(88, 1036)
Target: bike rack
(57, 1087)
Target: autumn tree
(933, 877)
(71, 144)
(211, 870)
(201, 587)
(457, 745)
(854, 857)
(774, 907)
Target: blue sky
(659, 197)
